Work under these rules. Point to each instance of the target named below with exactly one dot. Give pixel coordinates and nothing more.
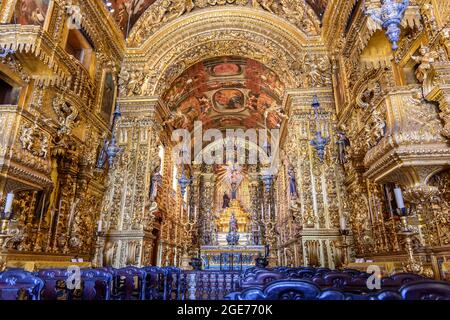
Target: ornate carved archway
(255, 34)
(298, 60)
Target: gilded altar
(385, 115)
(242, 217)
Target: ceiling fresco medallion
(229, 100)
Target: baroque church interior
(351, 99)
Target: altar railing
(209, 285)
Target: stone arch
(216, 32)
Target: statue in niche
(233, 236)
(233, 223)
(156, 180)
(226, 201)
(342, 143)
(292, 183)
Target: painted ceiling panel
(133, 9)
(318, 6)
(226, 92)
(129, 9)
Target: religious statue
(233, 190)
(233, 236)
(156, 180)
(226, 201)
(233, 223)
(292, 183)
(342, 143)
(75, 16)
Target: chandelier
(183, 181)
(112, 150)
(390, 17)
(267, 180)
(319, 142)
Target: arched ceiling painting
(227, 92)
(318, 6)
(124, 8)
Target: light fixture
(390, 17)
(319, 142)
(112, 149)
(183, 181)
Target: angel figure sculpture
(43, 152)
(275, 108)
(66, 114)
(426, 60)
(27, 138)
(177, 119)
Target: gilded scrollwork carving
(163, 12)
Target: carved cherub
(44, 147)
(366, 97)
(205, 104)
(265, 4)
(177, 119)
(66, 113)
(27, 138)
(275, 108)
(179, 7)
(426, 61)
(376, 129)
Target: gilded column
(127, 198)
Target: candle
(399, 198)
(9, 203)
(100, 222)
(343, 223)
